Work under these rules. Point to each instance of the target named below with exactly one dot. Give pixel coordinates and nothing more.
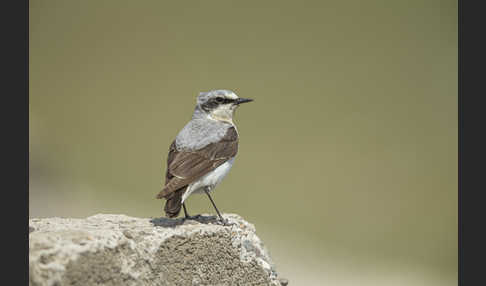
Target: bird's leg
(223, 221)
(187, 216)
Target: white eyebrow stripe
(232, 96)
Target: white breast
(211, 179)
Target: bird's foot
(192, 217)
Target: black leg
(186, 214)
(214, 205)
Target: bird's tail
(173, 202)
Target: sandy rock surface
(107, 249)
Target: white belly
(211, 179)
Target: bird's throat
(223, 116)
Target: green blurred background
(347, 163)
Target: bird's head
(220, 104)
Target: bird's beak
(243, 100)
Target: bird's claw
(192, 217)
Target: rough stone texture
(119, 250)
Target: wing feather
(187, 166)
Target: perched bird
(203, 151)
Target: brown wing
(185, 167)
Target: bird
(203, 152)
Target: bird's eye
(219, 99)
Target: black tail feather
(173, 204)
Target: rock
(120, 250)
